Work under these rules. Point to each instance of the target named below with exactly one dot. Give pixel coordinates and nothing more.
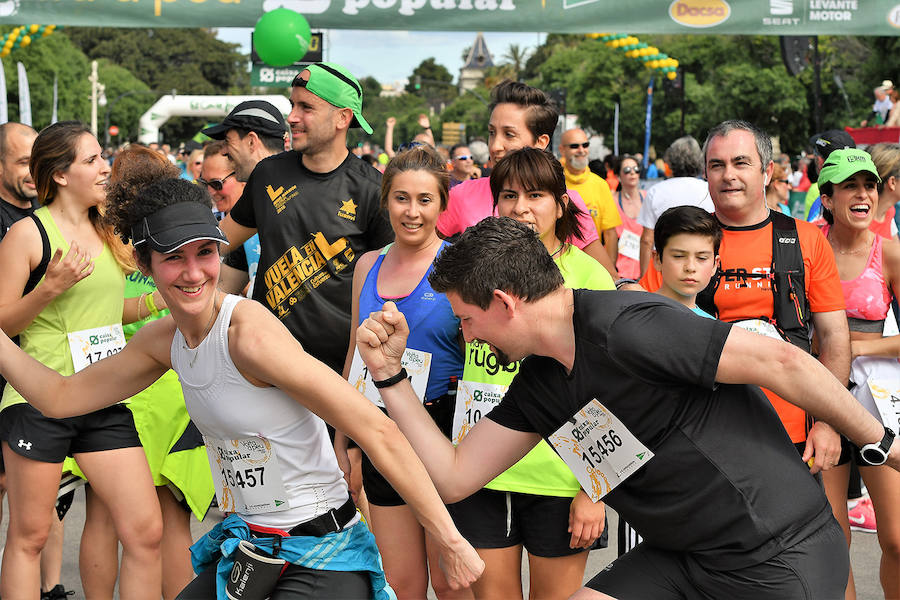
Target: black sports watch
(877, 453)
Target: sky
(391, 56)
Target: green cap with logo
(845, 163)
(334, 84)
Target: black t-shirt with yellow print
(312, 228)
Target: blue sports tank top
(432, 326)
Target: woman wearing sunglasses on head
(629, 199)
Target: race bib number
(630, 244)
(761, 327)
(473, 401)
(246, 475)
(886, 393)
(599, 449)
(91, 345)
(416, 362)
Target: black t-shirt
(10, 213)
(725, 483)
(312, 228)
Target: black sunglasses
(581, 145)
(215, 184)
(627, 170)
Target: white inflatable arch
(197, 106)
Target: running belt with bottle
(280, 449)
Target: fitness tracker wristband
(624, 281)
(397, 379)
(876, 453)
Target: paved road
(865, 553)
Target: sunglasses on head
(463, 157)
(628, 170)
(215, 184)
(410, 146)
(581, 145)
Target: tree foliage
(127, 99)
(406, 108)
(437, 83)
(471, 110)
(42, 62)
(191, 61)
(726, 77)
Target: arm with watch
(457, 471)
(803, 381)
(746, 358)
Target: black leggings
(297, 583)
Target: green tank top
(541, 471)
(94, 301)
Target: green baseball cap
(334, 84)
(844, 163)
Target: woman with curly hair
(172, 443)
(256, 397)
(62, 292)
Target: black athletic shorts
(493, 519)
(296, 583)
(32, 435)
(378, 491)
(815, 568)
(849, 451)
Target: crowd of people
(397, 373)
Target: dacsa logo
(699, 13)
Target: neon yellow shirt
(94, 301)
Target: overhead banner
(769, 17)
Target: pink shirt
(471, 201)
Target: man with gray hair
(777, 275)
(685, 187)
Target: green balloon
(281, 37)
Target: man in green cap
(316, 208)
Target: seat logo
(699, 13)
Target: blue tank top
(432, 326)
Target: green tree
(436, 82)
(472, 111)
(405, 108)
(370, 86)
(515, 57)
(127, 99)
(191, 61)
(44, 58)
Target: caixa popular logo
(699, 13)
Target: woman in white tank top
(257, 397)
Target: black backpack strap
(41, 269)
(792, 313)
